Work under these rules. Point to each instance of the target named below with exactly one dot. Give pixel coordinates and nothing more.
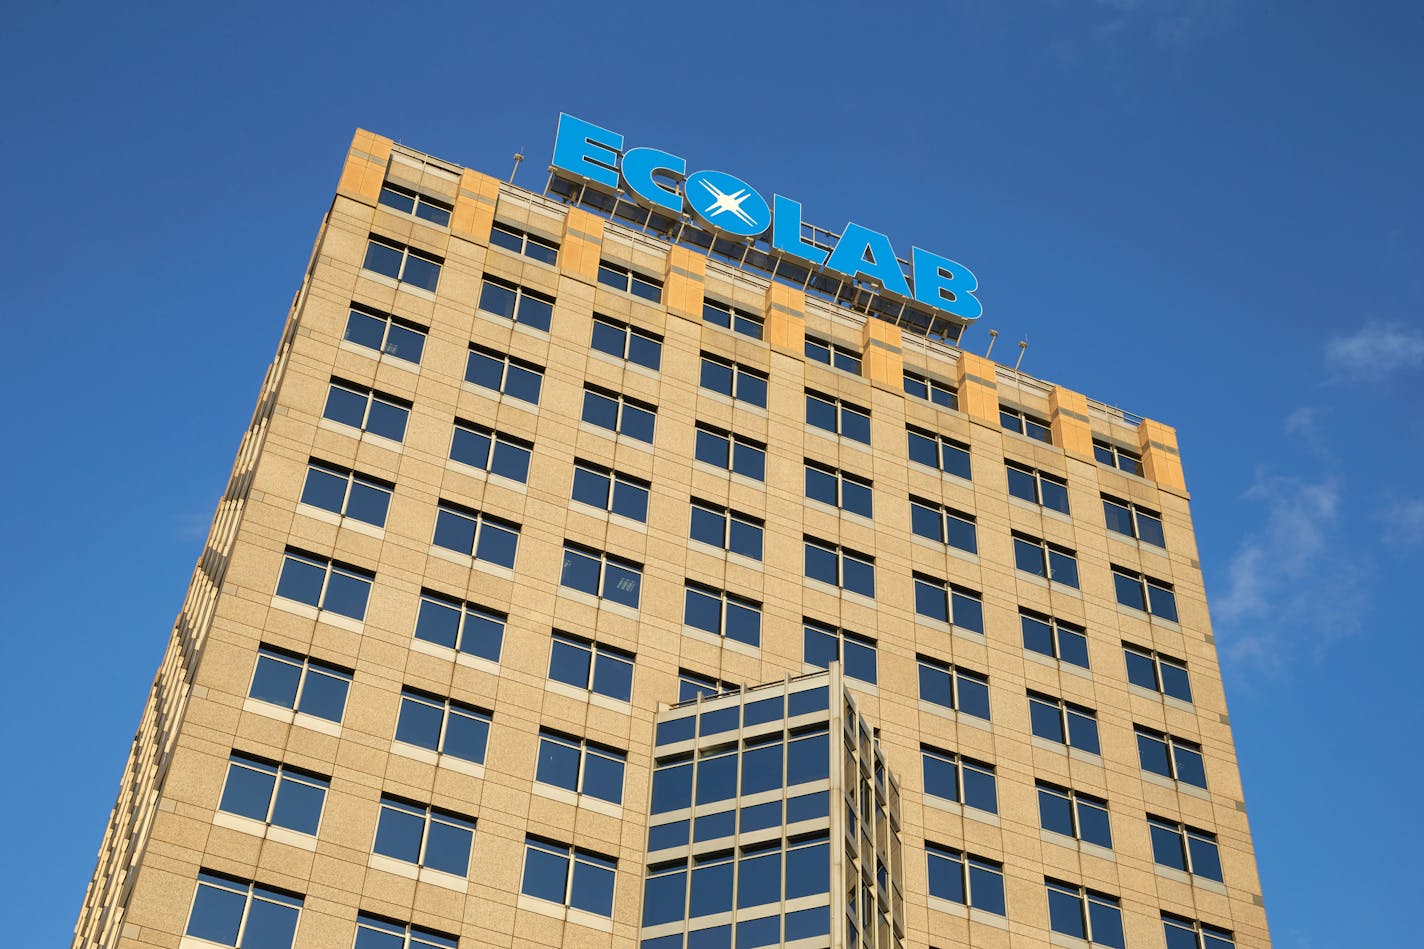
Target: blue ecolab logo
(732, 208)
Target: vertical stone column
(1072, 430)
(1160, 460)
(582, 246)
(882, 359)
(786, 318)
(684, 283)
(474, 206)
(978, 390)
(365, 167)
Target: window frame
(842, 554)
(960, 763)
(372, 397)
(943, 445)
(1171, 743)
(1199, 931)
(1116, 456)
(931, 390)
(1057, 630)
(628, 332)
(726, 600)
(622, 403)
(705, 685)
(572, 857)
(967, 864)
(1145, 585)
(926, 584)
(1040, 478)
(1086, 898)
(605, 560)
(730, 520)
(445, 510)
(1020, 422)
(842, 409)
(1183, 836)
(251, 891)
(757, 386)
(448, 708)
(631, 281)
(1065, 711)
(1134, 512)
(418, 201)
(539, 315)
(497, 440)
(1047, 564)
(465, 609)
(525, 239)
(945, 515)
(585, 749)
(407, 932)
(507, 362)
(390, 321)
(281, 773)
(352, 479)
(430, 815)
(1076, 800)
(833, 354)
(1158, 661)
(733, 442)
(840, 637)
(738, 320)
(955, 674)
(406, 253)
(304, 664)
(329, 568)
(595, 652)
(614, 480)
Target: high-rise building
(590, 578)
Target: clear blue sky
(1205, 211)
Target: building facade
(575, 586)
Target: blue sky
(1204, 211)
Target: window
(626, 342)
(325, 584)
(1152, 670)
(923, 387)
(1171, 757)
(367, 410)
(728, 317)
(833, 355)
(376, 932)
(547, 876)
(722, 614)
(938, 600)
(504, 374)
(1185, 848)
(603, 575)
(739, 455)
(1144, 593)
(591, 666)
(1129, 520)
(841, 418)
(1064, 722)
(618, 413)
(1032, 485)
(840, 566)
(826, 644)
(725, 528)
(235, 912)
(1116, 457)
(344, 492)
(1067, 812)
(469, 532)
(938, 452)
(1046, 560)
(385, 334)
(964, 878)
(611, 491)
(952, 777)
(461, 626)
(1017, 420)
(580, 766)
(1084, 914)
(443, 725)
(1189, 934)
(733, 380)
(630, 281)
(839, 489)
(690, 685)
(403, 263)
(953, 688)
(410, 202)
(1053, 637)
(522, 242)
(944, 525)
(273, 793)
(300, 683)
(519, 304)
(488, 450)
(424, 836)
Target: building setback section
(521, 479)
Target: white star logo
(731, 203)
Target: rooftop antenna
(518, 157)
(1023, 348)
(993, 335)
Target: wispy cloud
(1403, 522)
(1171, 22)
(1375, 352)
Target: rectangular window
(1130, 520)
(464, 627)
(1142, 592)
(932, 390)
(475, 534)
(418, 205)
(722, 614)
(733, 380)
(580, 766)
(1115, 456)
(841, 418)
(1017, 420)
(399, 262)
(953, 688)
(824, 645)
(1053, 637)
(367, 410)
(443, 725)
(726, 529)
(377, 932)
(1032, 485)
(1184, 933)
(938, 452)
(234, 912)
(517, 304)
(274, 793)
(325, 584)
(627, 342)
(488, 450)
(385, 334)
(300, 683)
(944, 525)
(735, 453)
(619, 413)
(690, 685)
(504, 374)
(952, 777)
(1152, 670)
(522, 242)
(1171, 757)
(1067, 812)
(568, 875)
(1064, 722)
(839, 489)
(347, 493)
(1046, 560)
(591, 666)
(833, 355)
(630, 281)
(938, 600)
(967, 879)
(610, 491)
(840, 567)
(1084, 914)
(602, 575)
(1185, 848)
(424, 835)
(728, 317)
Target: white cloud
(1404, 522)
(1375, 351)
